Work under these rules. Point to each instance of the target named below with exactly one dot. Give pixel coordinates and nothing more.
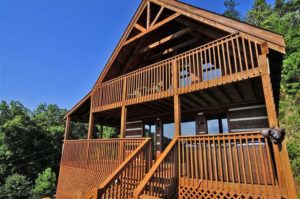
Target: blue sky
(52, 51)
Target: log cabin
(194, 97)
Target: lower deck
(233, 165)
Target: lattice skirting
(74, 183)
(186, 192)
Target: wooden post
(67, 128)
(177, 110)
(123, 121)
(91, 126)
(177, 116)
(285, 174)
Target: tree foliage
(16, 187)
(30, 141)
(231, 10)
(44, 184)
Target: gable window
(217, 124)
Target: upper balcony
(232, 58)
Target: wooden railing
(152, 82)
(87, 163)
(127, 176)
(98, 155)
(229, 164)
(162, 179)
(225, 60)
(231, 58)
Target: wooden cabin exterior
(194, 97)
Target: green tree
(25, 148)
(44, 184)
(16, 187)
(259, 13)
(231, 10)
(109, 132)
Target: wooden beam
(168, 38)
(203, 98)
(91, 126)
(174, 48)
(208, 96)
(205, 31)
(238, 90)
(177, 106)
(157, 16)
(150, 29)
(197, 99)
(220, 88)
(177, 116)
(212, 95)
(67, 128)
(189, 102)
(123, 121)
(148, 14)
(139, 27)
(132, 57)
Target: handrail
(138, 191)
(146, 145)
(92, 154)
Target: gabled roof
(275, 41)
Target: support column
(91, 126)
(177, 110)
(67, 128)
(285, 174)
(177, 116)
(123, 121)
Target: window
(210, 72)
(217, 124)
(188, 128)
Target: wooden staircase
(162, 179)
(127, 176)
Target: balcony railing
(233, 165)
(232, 58)
(228, 163)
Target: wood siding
(134, 129)
(248, 118)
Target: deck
(239, 165)
(233, 58)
